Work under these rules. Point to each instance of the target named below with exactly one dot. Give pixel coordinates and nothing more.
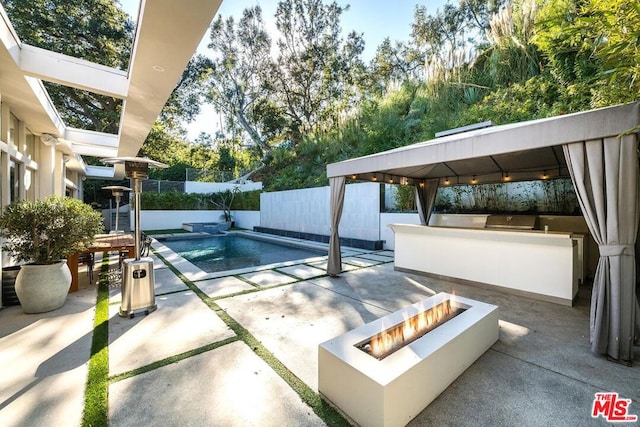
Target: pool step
(195, 227)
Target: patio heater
(117, 191)
(138, 284)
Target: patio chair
(88, 259)
(145, 245)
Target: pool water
(220, 253)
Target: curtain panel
(426, 199)
(337, 186)
(605, 176)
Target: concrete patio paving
(540, 372)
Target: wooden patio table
(102, 243)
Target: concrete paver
(360, 262)
(182, 322)
(268, 278)
(43, 363)
(323, 266)
(376, 257)
(223, 286)
(291, 321)
(540, 372)
(228, 386)
(302, 271)
(385, 253)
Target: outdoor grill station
(117, 191)
(138, 283)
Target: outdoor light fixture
(446, 180)
(48, 139)
(506, 176)
(544, 175)
(353, 176)
(117, 191)
(474, 180)
(138, 286)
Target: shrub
(48, 230)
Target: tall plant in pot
(223, 201)
(43, 234)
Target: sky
(375, 19)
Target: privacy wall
(307, 211)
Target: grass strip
(321, 408)
(171, 359)
(96, 395)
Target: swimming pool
(231, 252)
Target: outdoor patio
(242, 350)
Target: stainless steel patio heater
(116, 191)
(137, 275)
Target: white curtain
(426, 198)
(605, 176)
(334, 265)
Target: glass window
(13, 130)
(29, 145)
(29, 185)
(14, 177)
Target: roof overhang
(520, 151)
(167, 34)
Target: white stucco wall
(539, 263)
(246, 219)
(386, 234)
(163, 220)
(307, 211)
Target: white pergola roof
(167, 34)
(525, 150)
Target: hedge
(174, 200)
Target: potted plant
(43, 234)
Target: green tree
(313, 74)
(184, 102)
(567, 49)
(94, 30)
(615, 25)
(392, 65)
(237, 80)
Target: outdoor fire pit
(386, 372)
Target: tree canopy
(302, 96)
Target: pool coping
(195, 274)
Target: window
(29, 146)
(14, 180)
(13, 130)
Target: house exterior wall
(29, 169)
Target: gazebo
(597, 149)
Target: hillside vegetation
(294, 100)
(526, 60)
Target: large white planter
(42, 288)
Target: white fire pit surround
(392, 391)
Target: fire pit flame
(392, 339)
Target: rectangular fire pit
(391, 387)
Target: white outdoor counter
(537, 264)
